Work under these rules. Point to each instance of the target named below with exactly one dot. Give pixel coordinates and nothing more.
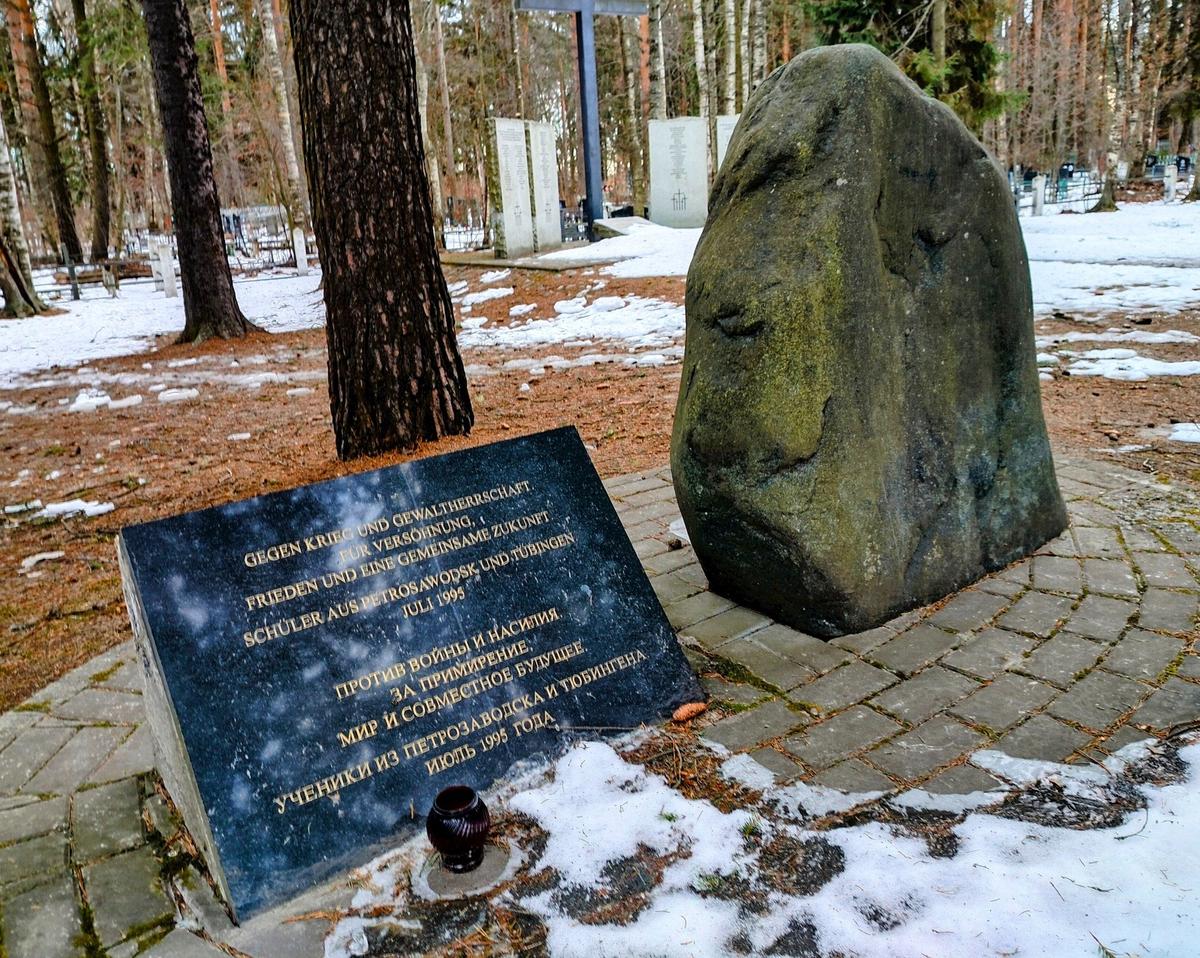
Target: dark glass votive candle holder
(458, 826)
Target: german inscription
(321, 662)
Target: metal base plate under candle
(493, 868)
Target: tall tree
(395, 374)
(294, 200)
(97, 134)
(16, 275)
(209, 304)
(20, 19)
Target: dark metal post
(70, 271)
(589, 106)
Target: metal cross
(589, 104)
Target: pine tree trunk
(209, 304)
(1194, 193)
(632, 115)
(218, 35)
(12, 233)
(56, 171)
(1108, 195)
(294, 200)
(658, 72)
(16, 297)
(439, 46)
(395, 374)
(937, 33)
(435, 178)
(97, 135)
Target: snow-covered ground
(1004, 885)
(1146, 256)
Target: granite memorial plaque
(321, 662)
(679, 171)
(512, 215)
(725, 128)
(543, 169)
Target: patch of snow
(566, 307)
(238, 436)
(126, 402)
(73, 507)
(522, 309)
(1127, 365)
(177, 395)
(18, 507)
(89, 400)
(300, 391)
(30, 561)
(496, 292)
(495, 275)
(678, 529)
(1116, 336)
(646, 323)
(1185, 432)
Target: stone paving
(1067, 656)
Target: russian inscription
(326, 659)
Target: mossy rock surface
(859, 428)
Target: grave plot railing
(466, 238)
(1076, 193)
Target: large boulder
(859, 428)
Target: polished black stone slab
(320, 662)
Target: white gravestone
(543, 170)
(512, 215)
(679, 171)
(167, 265)
(725, 126)
(1039, 194)
(301, 251)
(1170, 173)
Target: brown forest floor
(159, 459)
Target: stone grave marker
(166, 265)
(725, 127)
(543, 175)
(861, 420)
(512, 215)
(301, 251)
(679, 171)
(320, 662)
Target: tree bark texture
(12, 233)
(97, 135)
(209, 304)
(47, 132)
(395, 374)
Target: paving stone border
(1066, 656)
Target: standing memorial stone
(512, 215)
(725, 127)
(321, 662)
(166, 264)
(859, 428)
(543, 168)
(300, 249)
(679, 171)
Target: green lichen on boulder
(859, 428)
